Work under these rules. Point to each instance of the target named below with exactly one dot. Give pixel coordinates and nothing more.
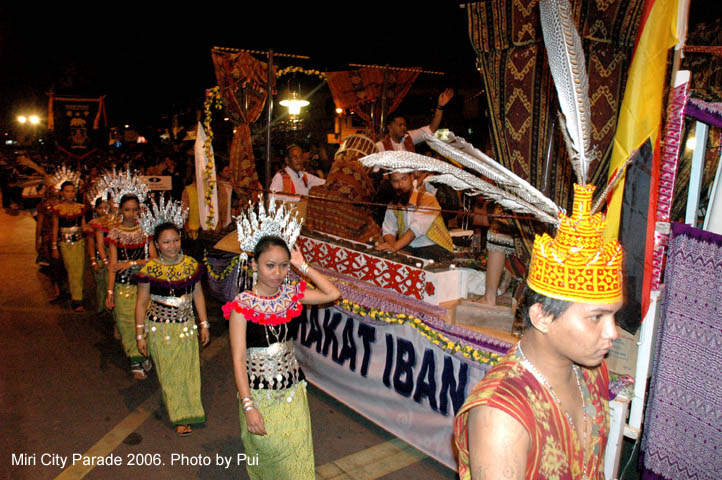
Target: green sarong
(286, 452)
(124, 314)
(101, 284)
(174, 350)
(74, 259)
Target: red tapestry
(362, 89)
(243, 81)
(507, 37)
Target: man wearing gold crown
(542, 412)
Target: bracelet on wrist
(139, 337)
(205, 324)
(110, 291)
(249, 408)
(439, 107)
(304, 268)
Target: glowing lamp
(294, 104)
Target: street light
(34, 119)
(22, 119)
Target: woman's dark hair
(126, 198)
(163, 227)
(65, 184)
(549, 306)
(267, 242)
(98, 201)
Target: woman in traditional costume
(67, 236)
(274, 415)
(44, 239)
(104, 218)
(129, 249)
(168, 287)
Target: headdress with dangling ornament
(576, 265)
(256, 222)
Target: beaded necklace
(577, 373)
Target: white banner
(201, 185)
(390, 374)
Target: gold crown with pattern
(577, 265)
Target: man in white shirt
(292, 179)
(413, 222)
(399, 138)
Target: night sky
(149, 60)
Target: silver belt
(167, 314)
(70, 234)
(275, 367)
(172, 301)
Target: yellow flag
(641, 111)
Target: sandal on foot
(183, 430)
(78, 307)
(138, 372)
(147, 365)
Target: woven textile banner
(244, 83)
(511, 58)
(399, 376)
(356, 89)
(683, 419)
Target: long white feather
(402, 161)
(459, 150)
(568, 68)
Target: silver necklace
(538, 375)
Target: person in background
(413, 223)
(400, 138)
(68, 241)
(293, 179)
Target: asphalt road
(66, 390)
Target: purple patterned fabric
(710, 113)
(683, 420)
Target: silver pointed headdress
(64, 174)
(257, 222)
(125, 183)
(163, 212)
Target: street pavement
(66, 389)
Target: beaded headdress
(64, 174)
(162, 212)
(257, 222)
(576, 265)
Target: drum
(359, 145)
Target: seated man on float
(413, 222)
(292, 178)
(542, 411)
(399, 138)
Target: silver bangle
(205, 324)
(249, 408)
(304, 268)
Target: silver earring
(255, 277)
